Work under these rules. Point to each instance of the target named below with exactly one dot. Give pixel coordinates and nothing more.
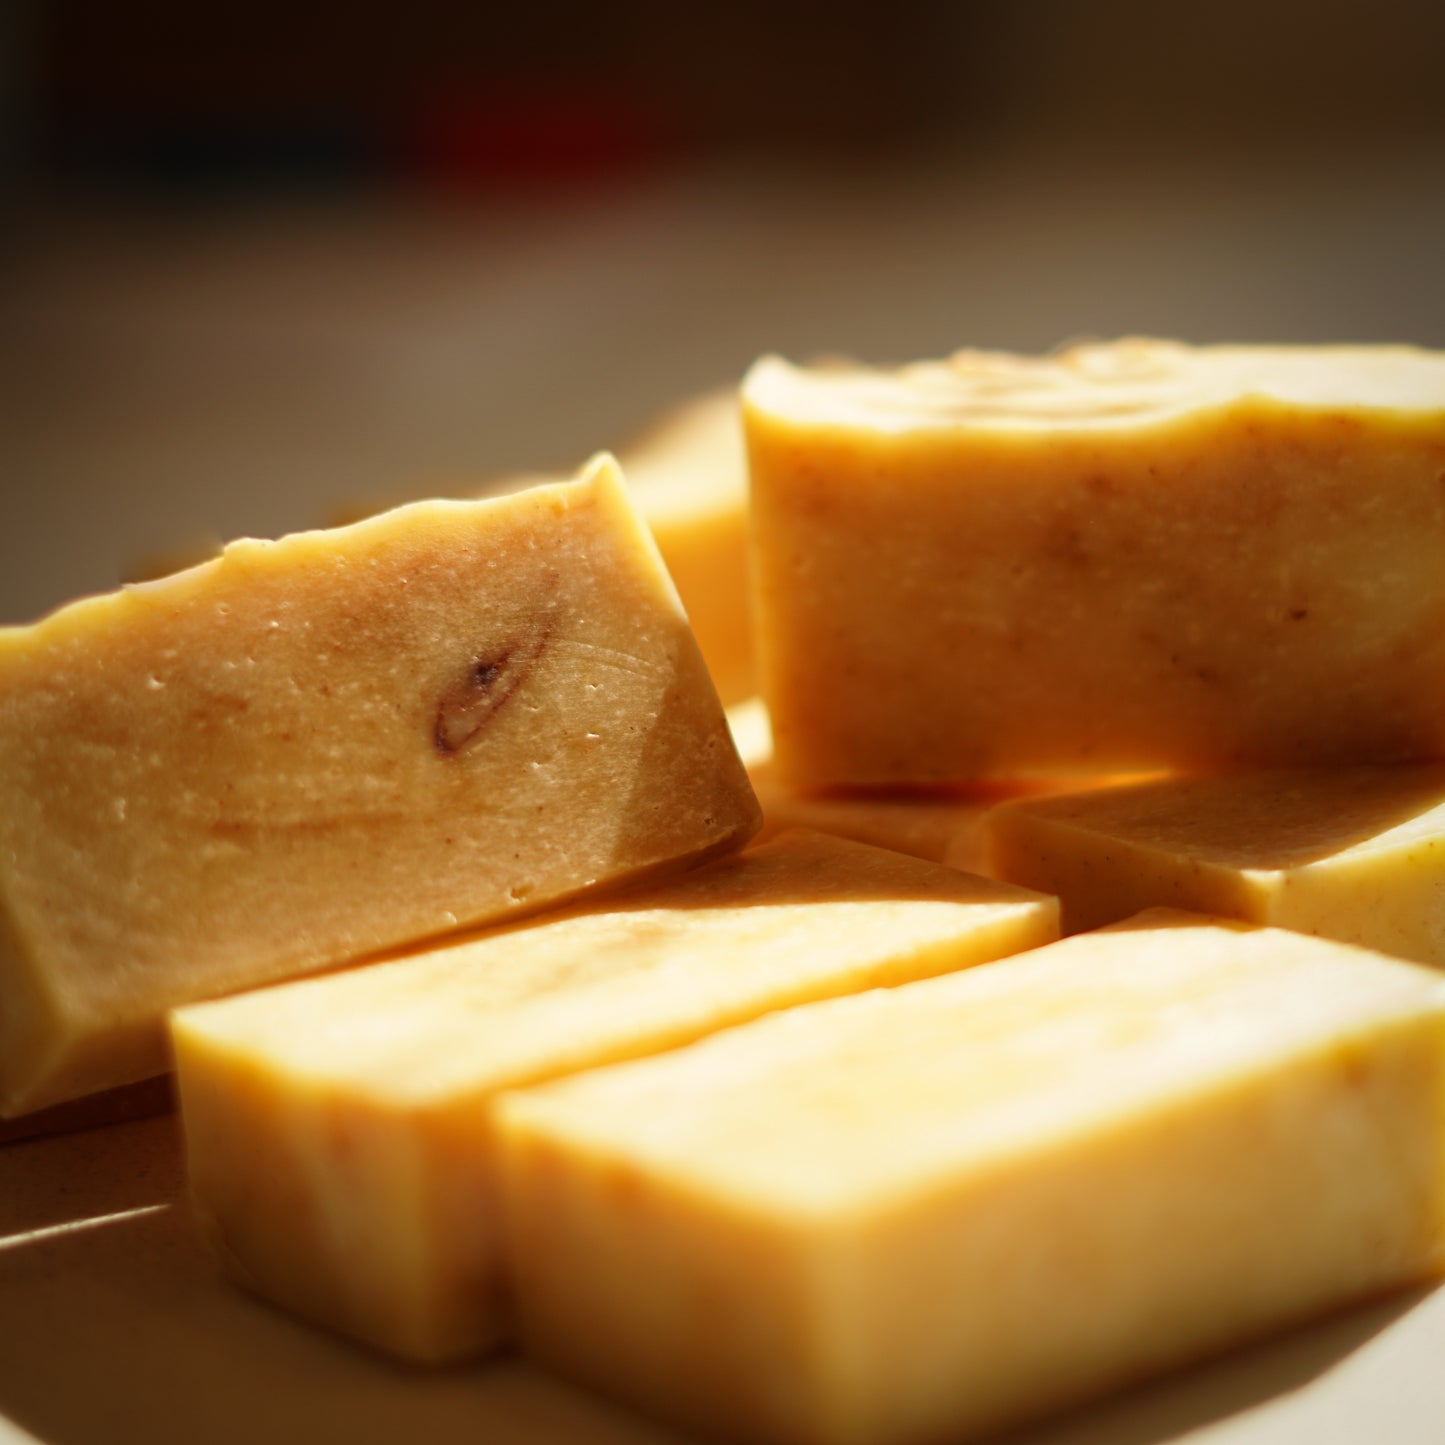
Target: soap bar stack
(1220, 562)
(817, 1141)
(340, 1131)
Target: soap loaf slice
(1124, 557)
(338, 1128)
(925, 1213)
(312, 749)
(1356, 854)
(688, 475)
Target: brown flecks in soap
(484, 689)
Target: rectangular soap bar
(688, 474)
(925, 1213)
(337, 1129)
(1123, 557)
(312, 749)
(1356, 854)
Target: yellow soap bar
(312, 749)
(925, 1213)
(1124, 557)
(688, 475)
(337, 1129)
(1356, 854)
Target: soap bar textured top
(1125, 556)
(316, 748)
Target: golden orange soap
(925, 1213)
(312, 749)
(338, 1129)
(1356, 854)
(1124, 557)
(688, 474)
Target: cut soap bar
(1125, 557)
(337, 1129)
(312, 749)
(928, 1212)
(1354, 853)
(689, 477)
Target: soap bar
(1126, 557)
(312, 749)
(337, 1128)
(1356, 854)
(925, 1213)
(688, 474)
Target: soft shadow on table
(116, 1329)
(1178, 1405)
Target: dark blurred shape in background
(262, 259)
(174, 97)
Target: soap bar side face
(342, 1211)
(1002, 1191)
(1238, 582)
(339, 1128)
(1101, 879)
(1355, 854)
(315, 749)
(1129, 1254)
(712, 1313)
(688, 476)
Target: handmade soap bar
(337, 1129)
(312, 749)
(688, 475)
(1124, 557)
(927, 1212)
(1353, 853)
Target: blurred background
(262, 264)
